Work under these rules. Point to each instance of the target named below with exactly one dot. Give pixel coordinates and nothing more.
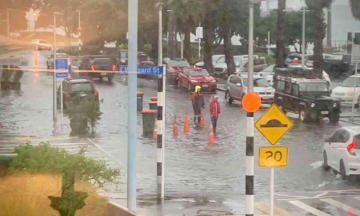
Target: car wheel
(325, 162)
(228, 98)
(303, 115)
(334, 117)
(281, 106)
(357, 105)
(342, 170)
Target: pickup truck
(98, 67)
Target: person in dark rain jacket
(198, 103)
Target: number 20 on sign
(273, 156)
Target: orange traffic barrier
(186, 125)
(175, 129)
(155, 130)
(211, 137)
(202, 121)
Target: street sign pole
(61, 102)
(132, 111)
(272, 179)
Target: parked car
(215, 58)
(50, 60)
(342, 152)
(292, 56)
(325, 76)
(259, 65)
(143, 58)
(42, 44)
(345, 91)
(220, 68)
(236, 88)
(310, 98)
(192, 76)
(77, 88)
(98, 67)
(174, 68)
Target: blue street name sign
(62, 65)
(149, 70)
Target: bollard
(153, 99)
(140, 99)
(148, 121)
(6, 159)
(153, 105)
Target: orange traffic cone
(211, 137)
(155, 130)
(202, 121)
(186, 125)
(175, 129)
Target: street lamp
(79, 29)
(35, 14)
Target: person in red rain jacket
(214, 112)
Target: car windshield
(258, 82)
(314, 87)
(81, 87)
(175, 63)
(202, 72)
(350, 81)
(103, 61)
(269, 69)
(143, 57)
(221, 60)
(240, 63)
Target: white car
(342, 151)
(42, 45)
(345, 91)
(215, 58)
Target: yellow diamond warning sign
(273, 124)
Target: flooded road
(198, 177)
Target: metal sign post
(199, 35)
(62, 67)
(355, 58)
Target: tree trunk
(296, 49)
(318, 45)
(187, 45)
(226, 34)
(208, 38)
(280, 43)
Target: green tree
(355, 8)
(280, 31)
(316, 7)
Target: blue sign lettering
(149, 70)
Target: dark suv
(296, 92)
(98, 67)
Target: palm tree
(280, 43)
(355, 8)
(316, 7)
(187, 15)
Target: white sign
(355, 55)
(10, 61)
(199, 32)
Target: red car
(191, 77)
(174, 68)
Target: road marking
(342, 206)
(41, 140)
(107, 153)
(322, 194)
(308, 208)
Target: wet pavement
(199, 179)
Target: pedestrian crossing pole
(249, 173)
(160, 115)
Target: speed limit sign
(273, 156)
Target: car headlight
(213, 81)
(312, 105)
(193, 81)
(238, 70)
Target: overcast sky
(298, 3)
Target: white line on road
(107, 153)
(308, 208)
(342, 206)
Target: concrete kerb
(114, 209)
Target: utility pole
(329, 25)
(303, 40)
(132, 98)
(54, 75)
(171, 35)
(79, 30)
(8, 22)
